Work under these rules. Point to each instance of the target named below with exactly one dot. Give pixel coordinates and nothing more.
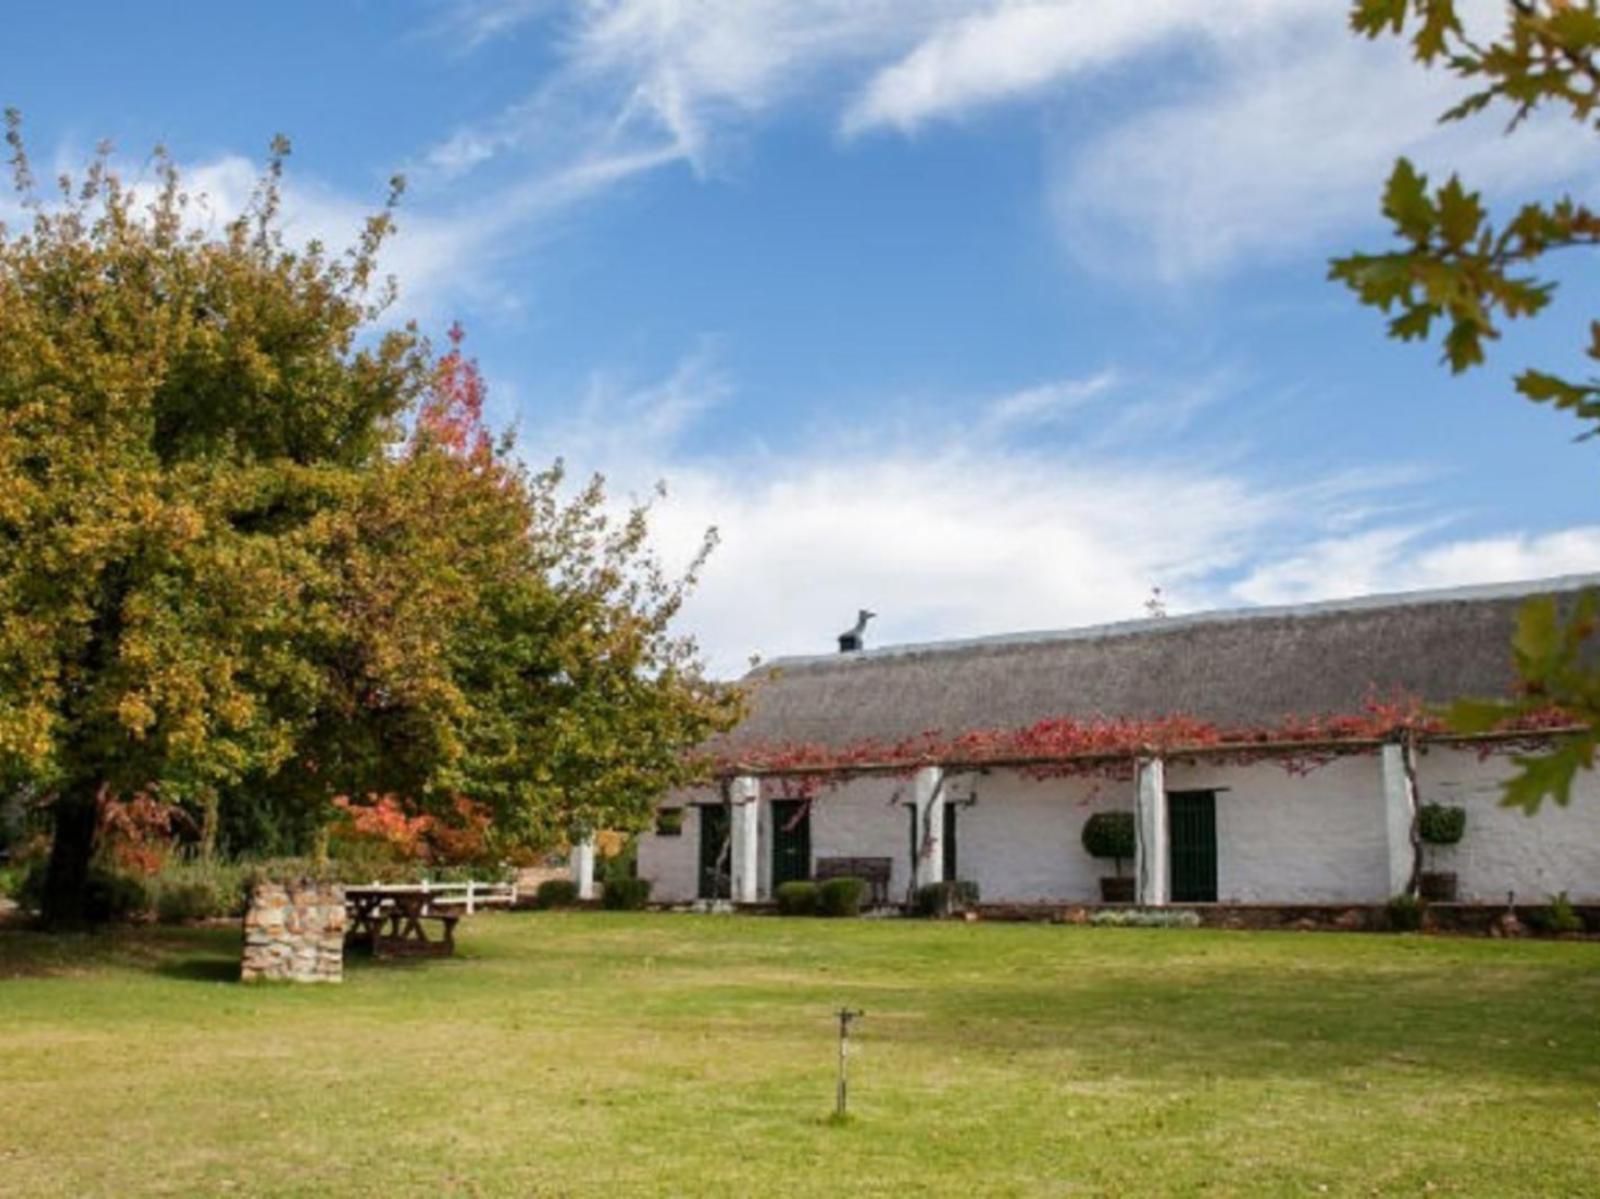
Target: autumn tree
(254, 547)
(1458, 274)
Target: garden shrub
(29, 890)
(1441, 824)
(181, 902)
(556, 893)
(1404, 913)
(625, 894)
(111, 898)
(797, 898)
(938, 900)
(841, 896)
(1558, 917)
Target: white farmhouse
(1212, 826)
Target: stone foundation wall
(294, 931)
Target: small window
(669, 822)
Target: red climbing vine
(1108, 748)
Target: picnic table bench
(394, 920)
(874, 872)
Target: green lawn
(602, 1054)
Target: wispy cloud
(1000, 52)
(1270, 131)
(1046, 403)
(1263, 162)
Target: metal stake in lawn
(845, 1017)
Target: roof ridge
(1480, 592)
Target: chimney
(850, 641)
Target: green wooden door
(716, 880)
(948, 842)
(1192, 845)
(791, 841)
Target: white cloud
(1287, 148)
(946, 535)
(1263, 128)
(1005, 51)
(1046, 403)
(1400, 559)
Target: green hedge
(625, 894)
(841, 896)
(797, 899)
(1404, 913)
(556, 893)
(938, 900)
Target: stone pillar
(1151, 858)
(928, 800)
(1399, 812)
(582, 863)
(294, 932)
(744, 839)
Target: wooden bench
(874, 872)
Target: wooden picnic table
(394, 919)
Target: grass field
(608, 1054)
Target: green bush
(1110, 835)
(1558, 917)
(112, 898)
(1404, 913)
(938, 900)
(625, 894)
(1441, 824)
(797, 898)
(200, 890)
(179, 903)
(624, 864)
(109, 897)
(556, 893)
(841, 896)
(29, 890)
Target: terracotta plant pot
(1437, 886)
(1116, 890)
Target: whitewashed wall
(1285, 838)
(1504, 850)
(1022, 841)
(672, 864)
(1281, 838)
(865, 818)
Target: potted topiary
(1110, 835)
(1439, 824)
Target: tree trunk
(208, 824)
(67, 875)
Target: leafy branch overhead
(1458, 275)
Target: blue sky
(986, 315)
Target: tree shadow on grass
(201, 970)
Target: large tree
(1458, 269)
(254, 547)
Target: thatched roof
(1237, 669)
